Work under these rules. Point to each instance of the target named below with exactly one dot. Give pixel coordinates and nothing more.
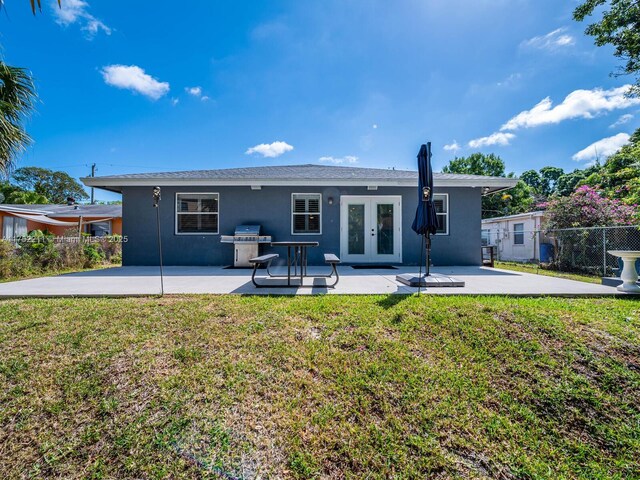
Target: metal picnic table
(299, 249)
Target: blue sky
(140, 86)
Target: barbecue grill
(246, 240)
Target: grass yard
(533, 268)
(320, 387)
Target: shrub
(93, 255)
(41, 252)
(587, 207)
(576, 246)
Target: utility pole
(93, 174)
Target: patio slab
(141, 281)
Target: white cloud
(626, 118)
(452, 147)
(374, 126)
(76, 11)
(195, 91)
(602, 148)
(497, 138)
(347, 159)
(270, 150)
(551, 41)
(578, 104)
(175, 101)
(132, 77)
(510, 81)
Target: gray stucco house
(363, 215)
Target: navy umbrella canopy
(426, 224)
(426, 221)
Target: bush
(93, 255)
(41, 252)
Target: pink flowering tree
(587, 207)
(579, 248)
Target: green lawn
(533, 268)
(320, 387)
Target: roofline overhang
(535, 213)
(115, 184)
(4, 208)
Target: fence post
(604, 252)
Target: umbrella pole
(428, 253)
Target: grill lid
(247, 230)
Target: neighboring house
(516, 237)
(97, 220)
(363, 215)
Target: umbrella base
(433, 280)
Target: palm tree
(38, 2)
(17, 98)
(34, 4)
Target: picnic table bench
(329, 258)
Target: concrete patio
(137, 281)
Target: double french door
(371, 229)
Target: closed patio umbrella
(426, 224)
(426, 221)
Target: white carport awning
(45, 220)
(60, 223)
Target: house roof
(65, 211)
(309, 174)
(537, 213)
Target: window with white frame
(306, 213)
(197, 213)
(13, 227)
(441, 202)
(518, 233)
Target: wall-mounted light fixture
(330, 200)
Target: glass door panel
(356, 229)
(384, 220)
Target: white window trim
(176, 213)
(446, 214)
(319, 213)
(518, 233)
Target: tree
(619, 28)
(56, 186)
(517, 200)
(533, 179)
(587, 207)
(550, 176)
(35, 4)
(17, 98)
(568, 182)
(27, 198)
(542, 183)
(477, 164)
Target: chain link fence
(578, 250)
